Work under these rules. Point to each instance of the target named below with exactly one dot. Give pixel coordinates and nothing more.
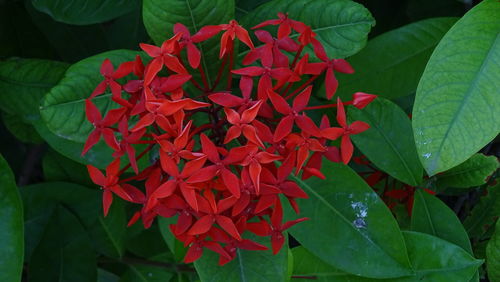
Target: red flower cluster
(224, 177)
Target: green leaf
(484, 213)
(23, 82)
(388, 143)
(252, 266)
(64, 252)
(99, 156)
(11, 226)
(145, 273)
(107, 234)
(306, 264)
(23, 131)
(456, 109)
(392, 63)
(438, 260)
(493, 255)
(57, 167)
(432, 258)
(431, 216)
(342, 26)
(160, 16)
(63, 107)
(84, 12)
(472, 172)
(349, 223)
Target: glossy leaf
(493, 255)
(456, 109)
(350, 223)
(64, 252)
(306, 264)
(22, 130)
(388, 143)
(99, 156)
(11, 226)
(431, 216)
(435, 259)
(63, 107)
(484, 213)
(342, 26)
(473, 172)
(392, 63)
(84, 12)
(246, 266)
(23, 82)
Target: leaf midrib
(110, 236)
(391, 145)
(434, 163)
(324, 201)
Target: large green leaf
(391, 64)
(63, 107)
(64, 252)
(107, 234)
(457, 110)
(160, 16)
(438, 260)
(431, 216)
(484, 213)
(432, 258)
(84, 12)
(342, 25)
(11, 226)
(388, 143)
(349, 223)
(23, 82)
(255, 266)
(472, 172)
(99, 156)
(307, 265)
(493, 255)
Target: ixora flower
(229, 175)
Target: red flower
(332, 133)
(220, 158)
